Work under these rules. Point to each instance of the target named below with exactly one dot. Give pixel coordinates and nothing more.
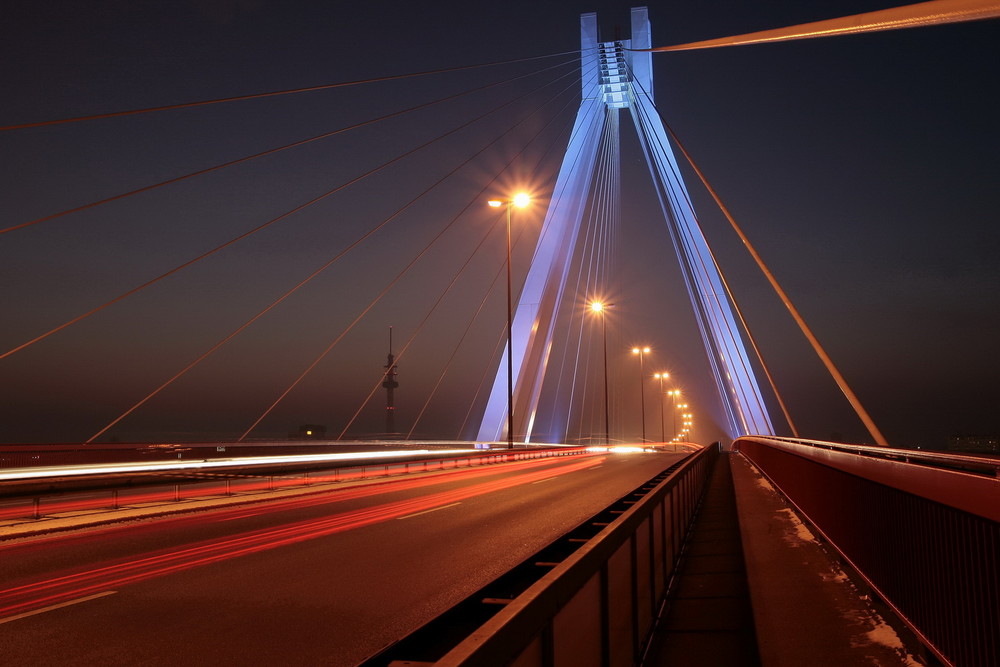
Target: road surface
(323, 579)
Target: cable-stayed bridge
(211, 305)
(357, 215)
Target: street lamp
(661, 377)
(642, 351)
(600, 308)
(520, 200)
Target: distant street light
(520, 200)
(642, 351)
(674, 395)
(600, 308)
(661, 377)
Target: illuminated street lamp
(600, 308)
(661, 377)
(520, 200)
(642, 351)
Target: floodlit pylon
(614, 78)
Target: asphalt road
(325, 579)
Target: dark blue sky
(864, 168)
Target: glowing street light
(661, 377)
(600, 308)
(642, 351)
(520, 200)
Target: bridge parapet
(596, 606)
(923, 529)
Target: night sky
(863, 168)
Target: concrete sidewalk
(755, 587)
(807, 610)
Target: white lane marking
(547, 479)
(443, 507)
(56, 606)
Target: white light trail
(170, 466)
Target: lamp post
(520, 200)
(642, 351)
(661, 377)
(600, 308)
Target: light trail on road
(22, 474)
(24, 598)
(54, 506)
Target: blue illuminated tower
(615, 78)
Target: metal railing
(600, 604)
(923, 529)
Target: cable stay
(272, 151)
(739, 314)
(430, 311)
(482, 303)
(468, 327)
(329, 263)
(785, 299)
(934, 12)
(591, 256)
(806, 331)
(271, 222)
(277, 93)
(403, 272)
(303, 283)
(700, 264)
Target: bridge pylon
(615, 78)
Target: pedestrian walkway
(709, 619)
(756, 587)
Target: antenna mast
(390, 384)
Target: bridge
(243, 297)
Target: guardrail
(598, 605)
(923, 529)
(123, 489)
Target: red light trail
(53, 506)
(35, 595)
